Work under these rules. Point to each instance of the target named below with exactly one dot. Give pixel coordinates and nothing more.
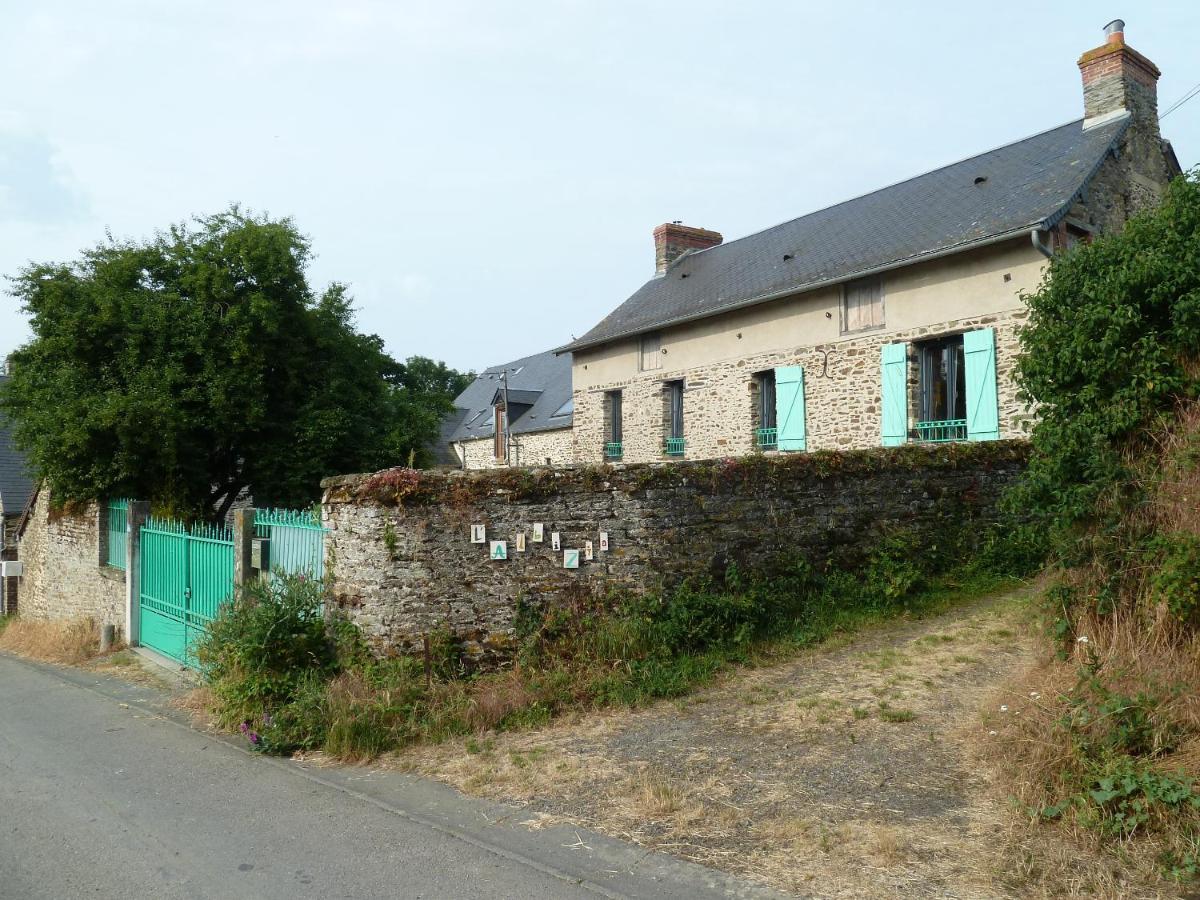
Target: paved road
(106, 793)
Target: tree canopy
(200, 364)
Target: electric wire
(1182, 100)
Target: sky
(485, 175)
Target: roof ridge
(496, 369)
(886, 187)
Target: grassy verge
(291, 679)
(70, 642)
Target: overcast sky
(486, 175)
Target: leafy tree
(1112, 345)
(422, 395)
(200, 364)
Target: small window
(500, 437)
(614, 416)
(650, 352)
(862, 304)
(1067, 237)
(765, 427)
(613, 448)
(673, 425)
(942, 390)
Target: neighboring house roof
(539, 398)
(1031, 183)
(16, 486)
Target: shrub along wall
(403, 564)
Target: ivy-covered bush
(1111, 348)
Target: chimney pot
(673, 239)
(1116, 77)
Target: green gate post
(243, 545)
(139, 512)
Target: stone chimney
(672, 240)
(1116, 77)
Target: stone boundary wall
(403, 564)
(60, 552)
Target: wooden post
(243, 545)
(139, 512)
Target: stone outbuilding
(515, 414)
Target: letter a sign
(499, 550)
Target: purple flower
(253, 736)
(244, 727)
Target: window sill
(869, 330)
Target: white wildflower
(1034, 695)
(991, 734)
(1003, 709)
(1082, 639)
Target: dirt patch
(843, 773)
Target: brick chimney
(672, 240)
(1116, 77)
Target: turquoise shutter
(789, 408)
(894, 394)
(983, 407)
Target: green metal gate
(186, 574)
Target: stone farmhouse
(889, 318)
(515, 414)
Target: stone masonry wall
(62, 577)
(403, 565)
(532, 449)
(842, 388)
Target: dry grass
(788, 774)
(71, 642)
(200, 704)
(1038, 761)
(496, 698)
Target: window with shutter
(650, 352)
(942, 390)
(862, 304)
(894, 394)
(673, 426)
(789, 406)
(983, 404)
(500, 435)
(765, 420)
(613, 447)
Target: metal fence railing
(118, 533)
(295, 541)
(942, 432)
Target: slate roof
(1029, 183)
(539, 386)
(15, 484)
